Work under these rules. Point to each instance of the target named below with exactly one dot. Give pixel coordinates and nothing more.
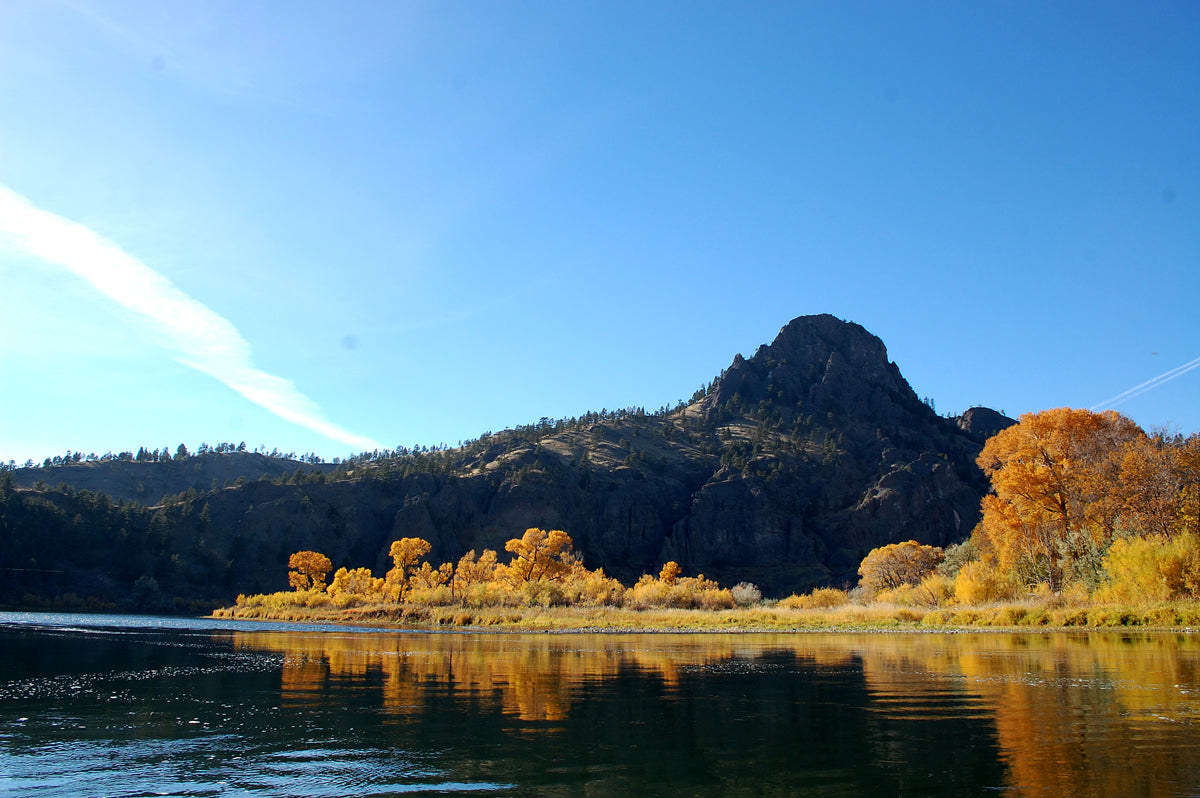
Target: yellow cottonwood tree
(669, 573)
(355, 585)
(405, 554)
(473, 571)
(1052, 506)
(896, 564)
(309, 569)
(427, 577)
(539, 554)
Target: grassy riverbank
(764, 618)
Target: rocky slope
(785, 471)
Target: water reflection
(1067, 714)
(102, 710)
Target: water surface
(105, 706)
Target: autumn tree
(1052, 510)
(473, 571)
(1151, 486)
(309, 569)
(405, 554)
(669, 573)
(427, 577)
(539, 554)
(1187, 459)
(354, 585)
(896, 564)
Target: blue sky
(329, 226)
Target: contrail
(1148, 385)
(201, 338)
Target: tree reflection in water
(1050, 714)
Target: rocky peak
(820, 364)
(982, 423)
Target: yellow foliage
(898, 564)
(979, 583)
(1140, 570)
(355, 586)
(405, 553)
(936, 590)
(308, 570)
(683, 593)
(820, 598)
(471, 571)
(1052, 475)
(902, 596)
(1187, 464)
(669, 572)
(427, 577)
(437, 596)
(593, 589)
(538, 554)
(1149, 488)
(544, 572)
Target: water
(129, 706)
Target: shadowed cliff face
(823, 365)
(785, 472)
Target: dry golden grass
(1033, 613)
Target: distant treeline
(144, 455)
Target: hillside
(784, 471)
(148, 481)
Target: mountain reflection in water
(103, 707)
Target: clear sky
(329, 226)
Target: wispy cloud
(200, 338)
(1148, 385)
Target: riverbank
(763, 618)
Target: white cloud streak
(1148, 385)
(200, 338)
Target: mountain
(784, 471)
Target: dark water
(139, 707)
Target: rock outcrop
(982, 423)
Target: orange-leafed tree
(1053, 508)
(539, 554)
(405, 554)
(896, 564)
(1151, 486)
(308, 570)
(669, 573)
(1187, 461)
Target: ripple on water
(216, 765)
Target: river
(139, 706)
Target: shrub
(714, 599)
(1140, 570)
(936, 590)
(976, 583)
(819, 598)
(746, 594)
(594, 589)
(543, 593)
(437, 596)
